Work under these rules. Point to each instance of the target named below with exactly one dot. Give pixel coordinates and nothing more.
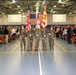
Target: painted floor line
(65, 49)
(72, 51)
(61, 47)
(26, 52)
(40, 66)
(34, 52)
(14, 48)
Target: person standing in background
(6, 34)
(17, 31)
(64, 33)
(1, 31)
(69, 33)
(58, 32)
(13, 33)
(74, 30)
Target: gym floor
(62, 61)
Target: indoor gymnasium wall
(70, 19)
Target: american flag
(28, 24)
(44, 18)
(33, 18)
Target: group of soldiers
(35, 35)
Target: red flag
(44, 18)
(28, 24)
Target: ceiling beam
(60, 8)
(6, 9)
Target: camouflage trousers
(30, 43)
(51, 43)
(37, 43)
(44, 43)
(22, 43)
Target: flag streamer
(28, 24)
(44, 18)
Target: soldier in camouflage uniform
(44, 38)
(37, 38)
(30, 39)
(22, 38)
(51, 38)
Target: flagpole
(37, 8)
(37, 14)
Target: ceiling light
(3, 13)
(13, 1)
(43, 2)
(54, 11)
(70, 13)
(51, 10)
(59, 1)
(23, 13)
(19, 12)
(54, 6)
(18, 6)
(4, 16)
(37, 3)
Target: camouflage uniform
(22, 39)
(51, 39)
(30, 39)
(44, 38)
(37, 39)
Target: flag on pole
(33, 19)
(44, 18)
(38, 21)
(28, 24)
(37, 16)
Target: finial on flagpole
(37, 7)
